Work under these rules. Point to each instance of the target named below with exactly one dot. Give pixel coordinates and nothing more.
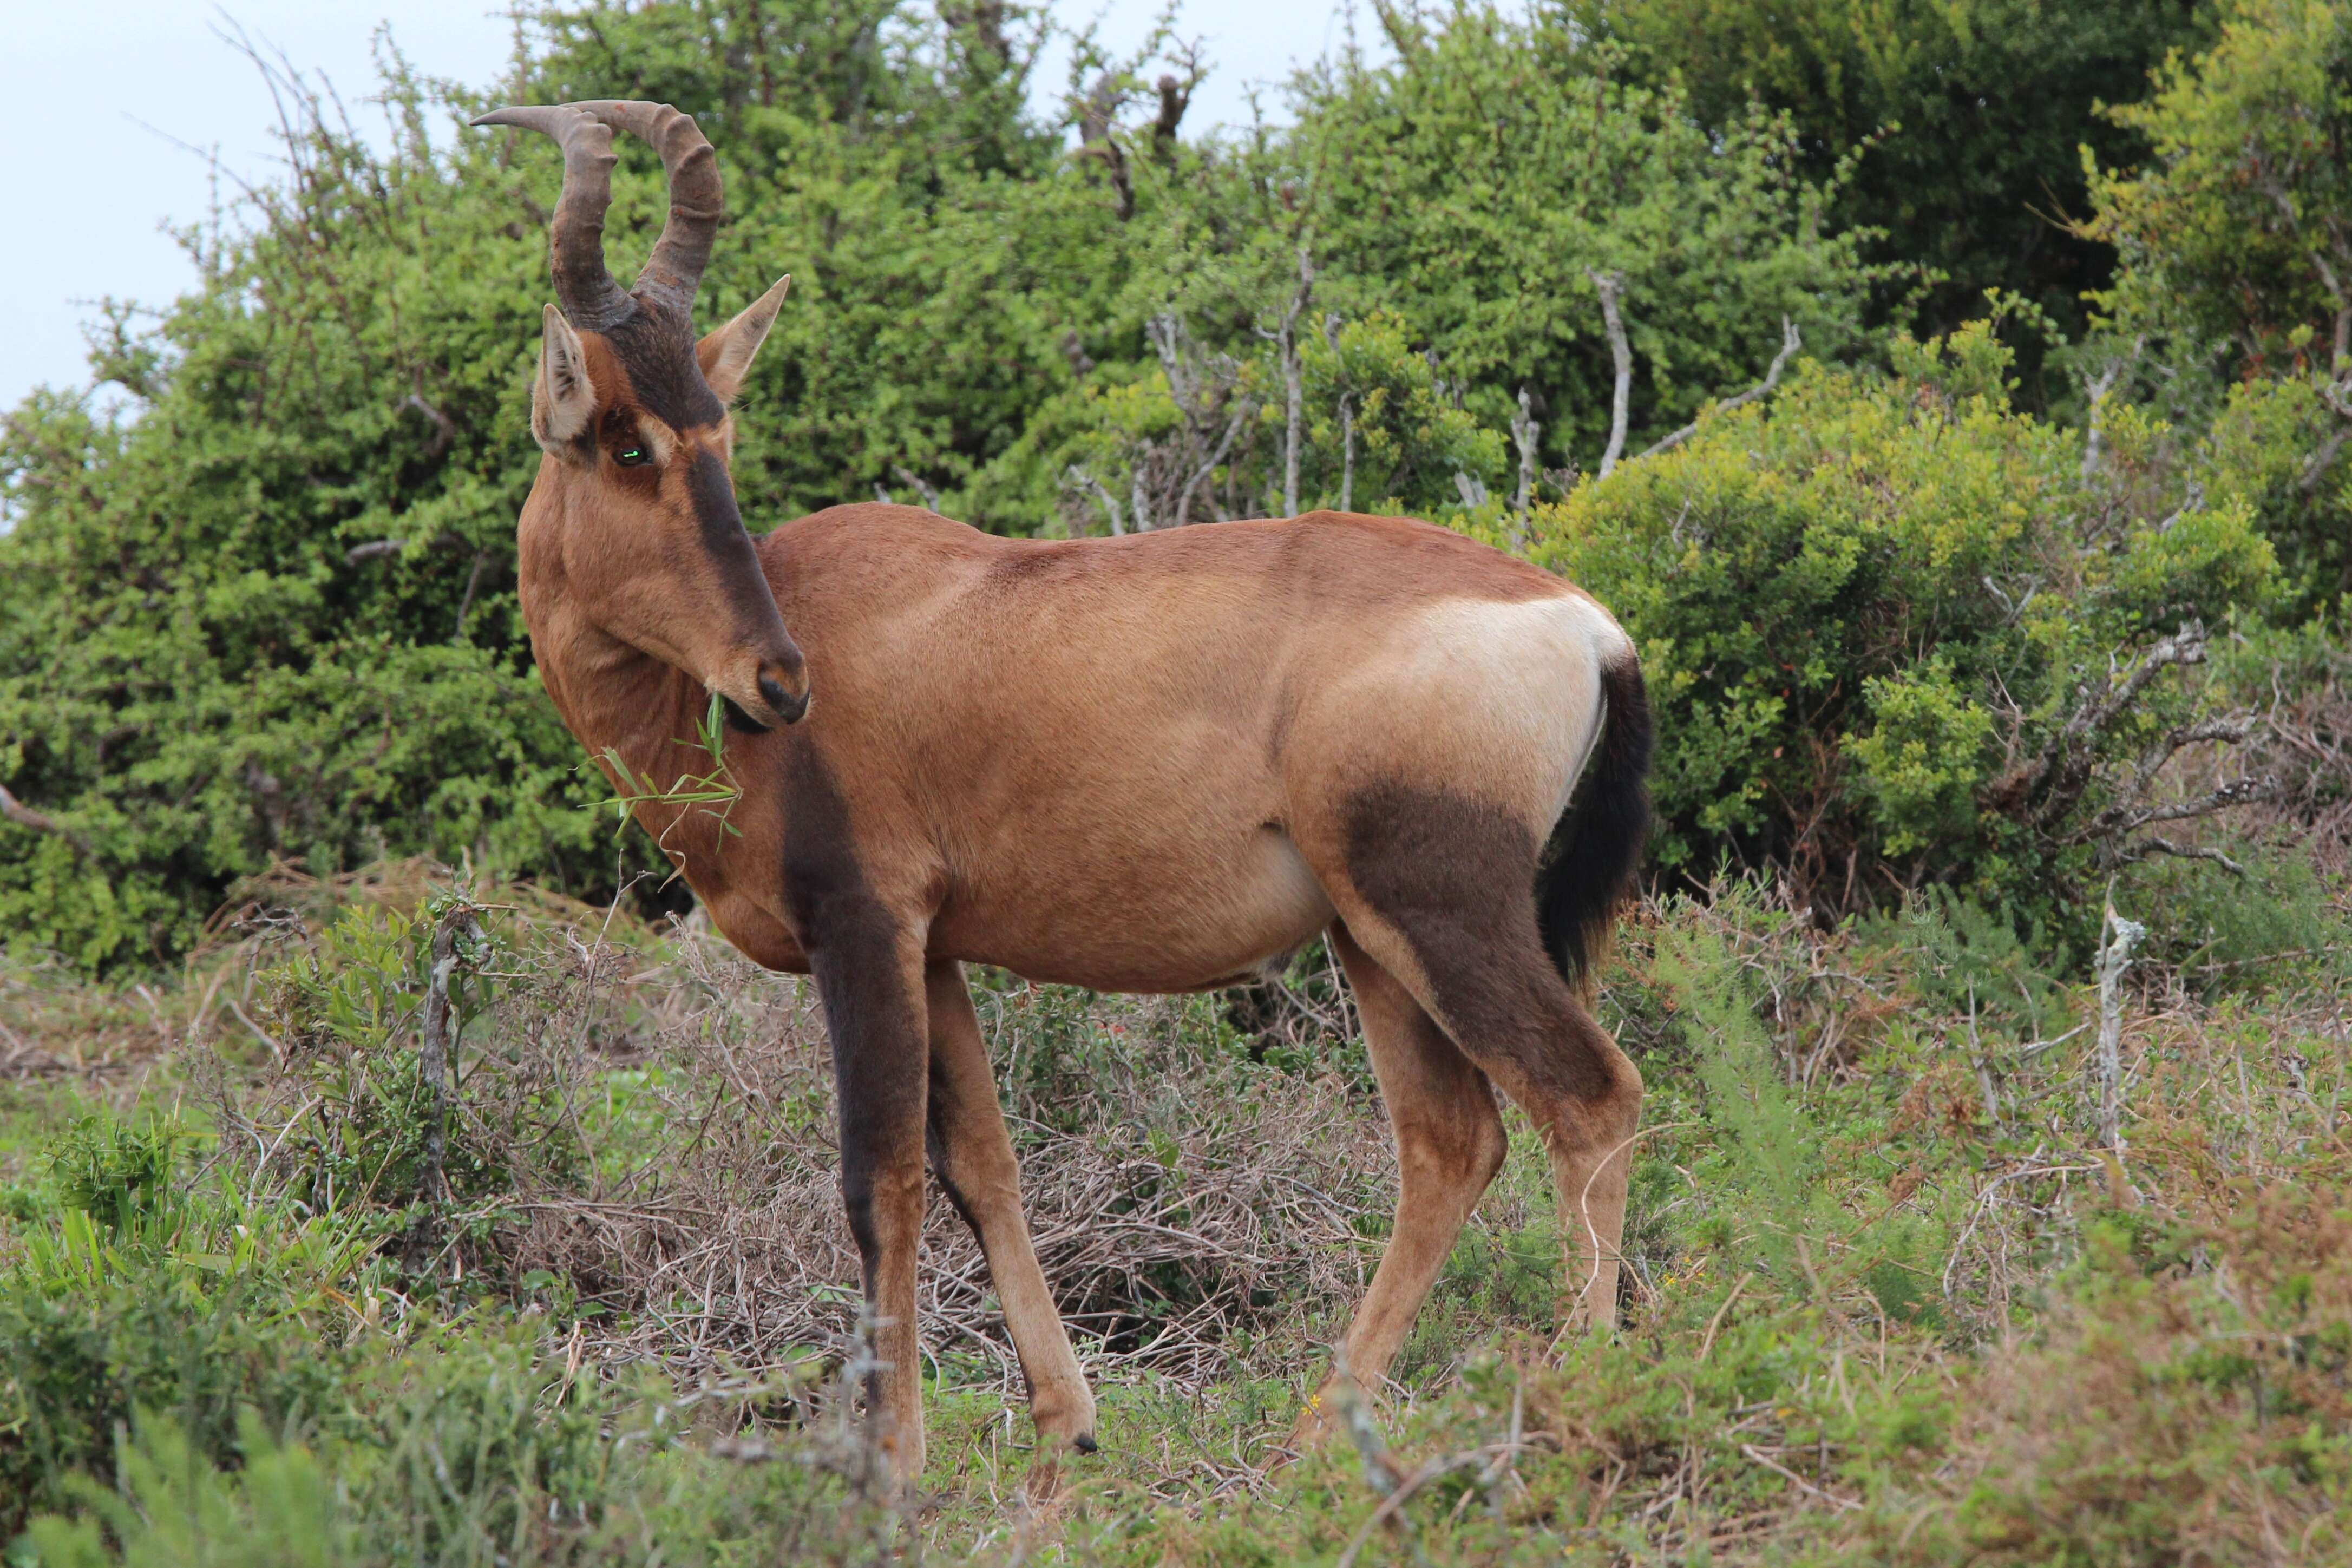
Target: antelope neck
(614, 696)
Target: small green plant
(171, 1507)
(368, 1131)
(148, 1289)
(713, 793)
(119, 1176)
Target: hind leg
(1449, 1143)
(1437, 889)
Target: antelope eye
(631, 457)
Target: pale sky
(93, 187)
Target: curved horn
(697, 200)
(590, 298)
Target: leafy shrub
(171, 1507)
(116, 1174)
(1895, 635)
(377, 1137)
(2231, 239)
(467, 1448)
(2172, 1412)
(1474, 185)
(200, 1306)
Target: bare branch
(1346, 418)
(2064, 765)
(2324, 458)
(444, 429)
(1294, 379)
(24, 816)
(915, 482)
(1098, 108)
(2096, 389)
(1083, 479)
(1203, 386)
(2227, 731)
(2115, 955)
(374, 549)
(1096, 140)
(1524, 434)
(1233, 428)
(437, 1047)
(2328, 280)
(1175, 97)
(1611, 285)
(2237, 793)
(1166, 336)
(2190, 503)
(466, 603)
(2153, 844)
(1790, 342)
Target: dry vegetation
(1888, 1302)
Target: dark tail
(1588, 867)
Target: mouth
(776, 702)
(738, 721)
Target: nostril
(788, 707)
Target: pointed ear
(726, 355)
(562, 400)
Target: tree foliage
(1973, 111)
(2235, 247)
(1478, 184)
(264, 607)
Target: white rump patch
(1509, 693)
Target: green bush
(1475, 184)
(1974, 115)
(2231, 241)
(461, 1448)
(144, 1292)
(119, 1175)
(349, 1008)
(1889, 627)
(189, 1374)
(171, 1507)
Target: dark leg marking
(1453, 880)
(859, 953)
(1456, 879)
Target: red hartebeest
(1141, 764)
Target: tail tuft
(1588, 867)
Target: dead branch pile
(663, 1112)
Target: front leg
(869, 973)
(973, 1154)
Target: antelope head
(634, 494)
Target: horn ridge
(698, 199)
(591, 298)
